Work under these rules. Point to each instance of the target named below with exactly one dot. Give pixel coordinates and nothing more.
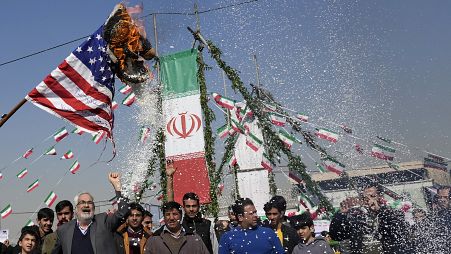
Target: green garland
(273, 145)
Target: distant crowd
(364, 224)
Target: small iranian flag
(306, 202)
(33, 186)
(223, 101)
(1, 176)
(144, 133)
(28, 153)
(68, 155)
(236, 126)
(270, 107)
(75, 167)
(286, 138)
(253, 142)
(50, 199)
(22, 173)
(383, 152)
(114, 105)
(125, 89)
(266, 163)
(6, 211)
(29, 223)
(128, 101)
(334, 166)
(98, 136)
(60, 134)
(277, 119)
(50, 151)
(232, 160)
(77, 131)
(295, 176)
(327, 135)
(223, 131)
(302, 117)
(320, 168)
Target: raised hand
(115, 180)
(170, 169)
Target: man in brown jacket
(132, 236)
(172, 238)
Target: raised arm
(170, 170)
(114, 220)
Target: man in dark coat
(371, 226)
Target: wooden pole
(7, 116)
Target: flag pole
(5, 117)
(156, 43)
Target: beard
(85, 217)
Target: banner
(182, 113)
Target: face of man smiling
(85, 208)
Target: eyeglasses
(85, 203)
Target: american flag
(81, 88)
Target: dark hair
(301, 220)
(238, 207)
(280, 202)
(134, 206)
(190, 195)
(64, 203)
(324, 233)
(147, 214)
(171, 205)
(444, 187)
(46, 213)
(28, 230)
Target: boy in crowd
(306, 231)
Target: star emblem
(78, 49)
(90, 49)
(98, 37)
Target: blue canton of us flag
(93, 54)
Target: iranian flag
(295, 176)
(320, 168)
(223, 101)
(98, 136)
(29, 223)
(302, 117)
(223, 131)
(236, 126)
(128, 101)
(144, 134)
(306, 202)
(277, 119)
(60, 134)
(114, 105)
(77, 131)
(1, 176)
(232, 160)
(334, 166)
(383, 152)
(270, 107)
(22, 173)
(266, 163)
(50, 199)
(28, 153)
(68, 155)
(6, 211)
(286, 138)
(33, 186)
(125, 89)
(253, 142)
(75, 167)
(327, 135)
(184, 130)
(50, 151)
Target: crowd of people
(364, 224)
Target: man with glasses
(89, 233)
(132, 235)
(249, 237)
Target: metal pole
(156, 44)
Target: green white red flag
(75, 167)
(98, 136)
(50, 151)
(334, 166)
(22, 173)
(184, 130)
(277, 119)
(306, 202)
(128, 101)
(223, 101)
(114, 105)
(77, 131)
(144, 134)
(33, 186)
(286, 138)
(1, 176)
(327, 135)
(270, 107)
(266, 163)
(68, 155)
(50, 199)
(253, 142)
(29, 223)
(60, 134)
(383, 152)
(302, 117)
(6, 211)
(232, 160)
(223, 131)
(320, 168)
(28, 153)
(237, 126)
(125, 89)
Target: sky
(381, 67)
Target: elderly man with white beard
(89, 233)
